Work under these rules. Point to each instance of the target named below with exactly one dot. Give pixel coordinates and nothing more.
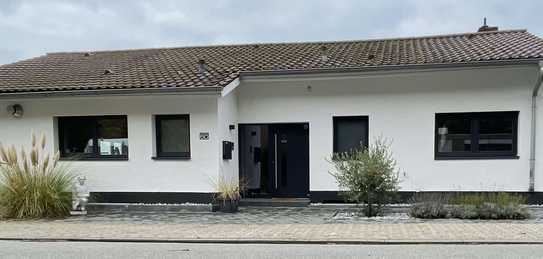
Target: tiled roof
(180, 67)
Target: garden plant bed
(484, 206)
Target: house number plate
(204, 135)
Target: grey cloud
(31, 27)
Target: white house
(463, 112)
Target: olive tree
(368, 176)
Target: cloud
(31, 27)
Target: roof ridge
(435, 36)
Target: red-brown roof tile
(180, 68)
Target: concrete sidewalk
(457, 233)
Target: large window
(172, 136)
(476, 135)
(350, 132)
(93, 137)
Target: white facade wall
(402, 107)
(140, 173)
(228, 115)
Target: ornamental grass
(33, 184)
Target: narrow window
(93, 137)
(476, 135)
(172, 136)
(350, 132)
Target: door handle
(275, 158)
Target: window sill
(170, 158)
(94, 159)
(477, 158)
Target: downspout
(533, 131)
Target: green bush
(501, 199)
(33, 184)
(430, 206)
(368, 176)
(475, 206)
(428, 210)
(490, 206)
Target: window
(172, 136)
(93, 137)
(476, 135)
(350, 132)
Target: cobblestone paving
(323, 224)
(416, 232)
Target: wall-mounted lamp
(16, 110)
(231, 127)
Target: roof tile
(179, 67)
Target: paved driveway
(312, 224)
(320, 233)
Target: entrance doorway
(274, 159)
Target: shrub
(501, 199)
(430, 206)
(475, 206)
(490, 206)
(33, 184)
(466, 211)
(368, 176)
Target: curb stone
(283, 241)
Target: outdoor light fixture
(16, 110)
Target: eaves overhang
(208, 90)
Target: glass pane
(453, 133)
(174, 135)
(350, 133)
(496, 132)
(495, 142)
(455, 124)
(112, 136)
(496, 125)
(77, 134)
(454, 143)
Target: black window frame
(475, 153)
(95, 155)
(335, 120)
(158, 137)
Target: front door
(289, 160)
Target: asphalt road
(18, 249)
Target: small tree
(368, 175)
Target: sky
(30, 28)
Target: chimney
(486, 27)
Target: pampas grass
(33, 184)
(229, 189)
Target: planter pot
(228, 206)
